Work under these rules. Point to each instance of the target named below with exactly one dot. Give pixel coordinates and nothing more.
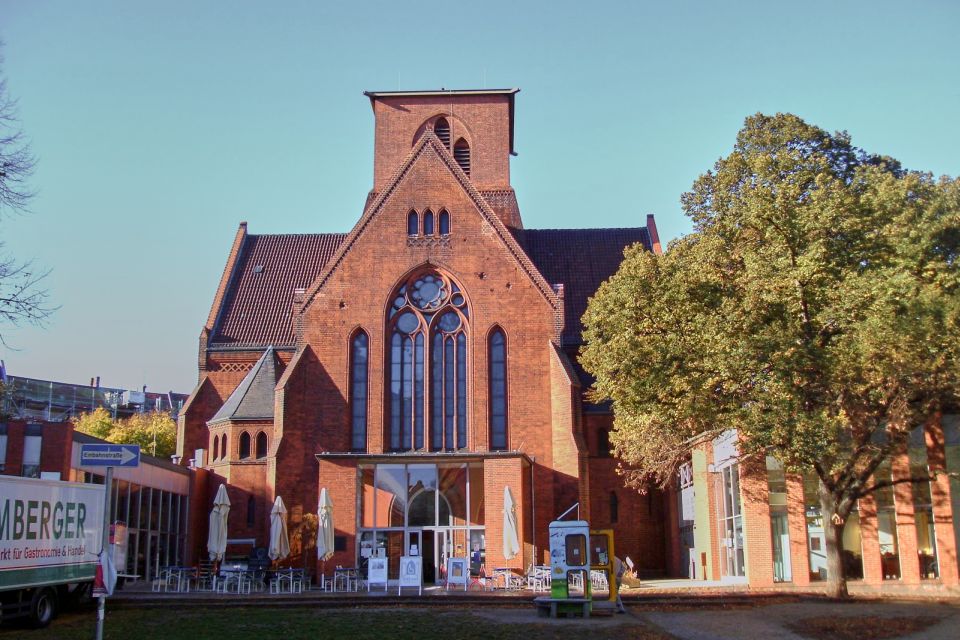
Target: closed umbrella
(325, 526)
(511, 541)
(217, 537)
(279, 541)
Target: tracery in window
(427, 374)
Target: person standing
(619, 568)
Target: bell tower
(475, 127)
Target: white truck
(50, 535)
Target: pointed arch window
(498, 390)
(427, 328)
(413, 224)
(358, 391)
(261, 445)
(444, 223)
(461, 153)
(442, 128)
(244, 445)
(216, 447)
(428, 223)
(223, 446)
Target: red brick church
(421, 363)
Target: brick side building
(421, 365)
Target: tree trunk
(833, 536)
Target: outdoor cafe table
(233, 575)
(511, 580)
(345, 579)
(183, 576)
(284, 579)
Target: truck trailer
(51, 533)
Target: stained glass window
(427, 325)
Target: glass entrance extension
(434, 510)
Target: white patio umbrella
(511, 541)
(217, 537)
(279, 540)
(325, 526)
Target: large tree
(154, 431)
(22, 296)
(815, 308)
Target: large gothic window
(427, 334)
(498, 390)
(358, 391)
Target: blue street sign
(109, 455)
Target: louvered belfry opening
(461, 153)
(442, 128)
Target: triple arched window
(428, 228)
(427, 364)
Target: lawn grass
(860, 627)
(262, 623)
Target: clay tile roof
(256, 309)
(580, 260)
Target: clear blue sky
(159, 126)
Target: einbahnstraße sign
(109, 455)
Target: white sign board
(377, 572)
(411, 573)
(457, 572)
(50, 531)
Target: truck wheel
(43, 607)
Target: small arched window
(216, 447)
(244, 445)
(358, 391)
(428, 223)
(614, 508)
(444, 223)
(261, 445)
(442, 128)
(413, 224)
(461, 153)
(251, 511)
(498, 391)
(223, 446)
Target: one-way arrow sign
(109, 455)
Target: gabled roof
(253, 397)
(580, 260)
(257, 302)
(429, 142)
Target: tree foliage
(815, 308)
(155, 432)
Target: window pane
(395, 407)
(461, 391)
(391, 495)
(407, 386)
(358, 392)
(437, 393)
(428, 223)
(444, 223)
(498, 390)
(448, 389)
(418, 393)
(412, 224)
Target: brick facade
(309, 296)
